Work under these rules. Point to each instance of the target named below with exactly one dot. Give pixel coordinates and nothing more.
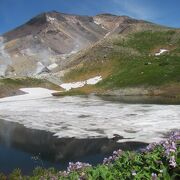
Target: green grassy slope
(129, 60)
(145, 68)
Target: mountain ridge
(52, 37)
(128, 54)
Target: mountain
(132, 56)
(46, 41)
(144, 62)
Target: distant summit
(51, 37)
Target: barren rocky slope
(44, 43)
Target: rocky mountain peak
(51, 37)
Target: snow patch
(39, 68)
(97, 22)
(161, 51)
(73, 85)
(50, 19)
(94, 80)
(52, 66)
(31, 93)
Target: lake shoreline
(42, 148)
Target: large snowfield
(83, 117)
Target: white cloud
(136, 9)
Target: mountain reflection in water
(26, 149)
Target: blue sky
(16, 12)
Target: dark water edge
(141, 99)
(26, 149)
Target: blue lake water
(27, 148)
(51, 131)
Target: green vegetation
(22, 81)
(147, 41)
(130, 61)
(159, 161)
(145, 69)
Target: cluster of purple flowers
(172, 161)
(112, 158)
(169, 144)
(169, 147)
(77, 166)
(150, 147)
(169, 151)
(154, 176)
(174, 136)
(63, 173)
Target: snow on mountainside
(74, 85)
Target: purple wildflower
(170, 147)
(64, 173)
(150, 147)
(112, 158)
(154, 176)
(105, 161)
(172, 161)
(175, 135)
(77, 166)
